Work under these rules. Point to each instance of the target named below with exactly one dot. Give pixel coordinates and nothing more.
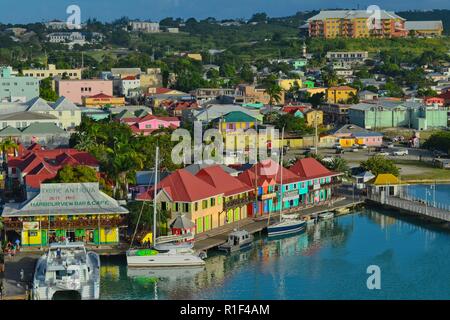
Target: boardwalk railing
(412, 206)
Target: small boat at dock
(237, 240)
(326, 215)
(287, 225)
(309, 220)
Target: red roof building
(310, 168)
(35, 165)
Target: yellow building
(340, 94)
(313, 117)
(100, 100)
(313, 91)
(88, 216)
(356, 24)
(287, 84)
(51, 71)
(193, 56)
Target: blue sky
(23, 11)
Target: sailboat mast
(154, 196)
(281, 171)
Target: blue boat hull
(280, 230)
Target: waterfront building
(238, 198)
(384, 184)
(340, 94)
(316, 181)
(72, 211)
(183, 193)
(15, 88)
(391, 114)
(51, 71)
(354, 24)
(425, 28)
(75, 90)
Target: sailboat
(163, 254)
(288, 224)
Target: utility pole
(315, 127)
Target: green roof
(10, 131)
(236, 116)
(43, 128)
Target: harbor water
(328, 261)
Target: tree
(46, 91)
(380, 164)
(7, 146)
(438, 141)
(273, 90)
(337, 164)
(75, 174)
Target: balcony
(236, 203)
(267, 196)
(71, 224)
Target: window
(177, 207)
(195, 206)
(213, 202)
(204, 204)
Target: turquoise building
(14, 88)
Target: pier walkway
(217, 236)
(416, 207)
(16, 287)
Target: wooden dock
(211, 239)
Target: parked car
(390, 145)
(363, 146)
(354, 149)
(383, 153)
(403, 152)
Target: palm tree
(6, 146)
(338, 164)
(274, 91)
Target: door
(230, 216)
(199, 225)
(207, 223)
(44, 237)
(236, 214)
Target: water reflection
(188, 283)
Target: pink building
(146, 125)
(75, 90)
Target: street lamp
(427, 192)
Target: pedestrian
(2, 262)
(22, 275)
(17, 244)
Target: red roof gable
(183, 186)
(270, 169)
(310, 168)
(222, 181)
(101, 96)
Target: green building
(389, 114)
(13, 88)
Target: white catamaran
(288, 223)
(171, 254)
(67, 267)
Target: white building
(150, 27)
(129, 86)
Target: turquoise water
(328, 261)
(442, 193)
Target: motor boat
(326, 215)
(237, 240)
(287, 225)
